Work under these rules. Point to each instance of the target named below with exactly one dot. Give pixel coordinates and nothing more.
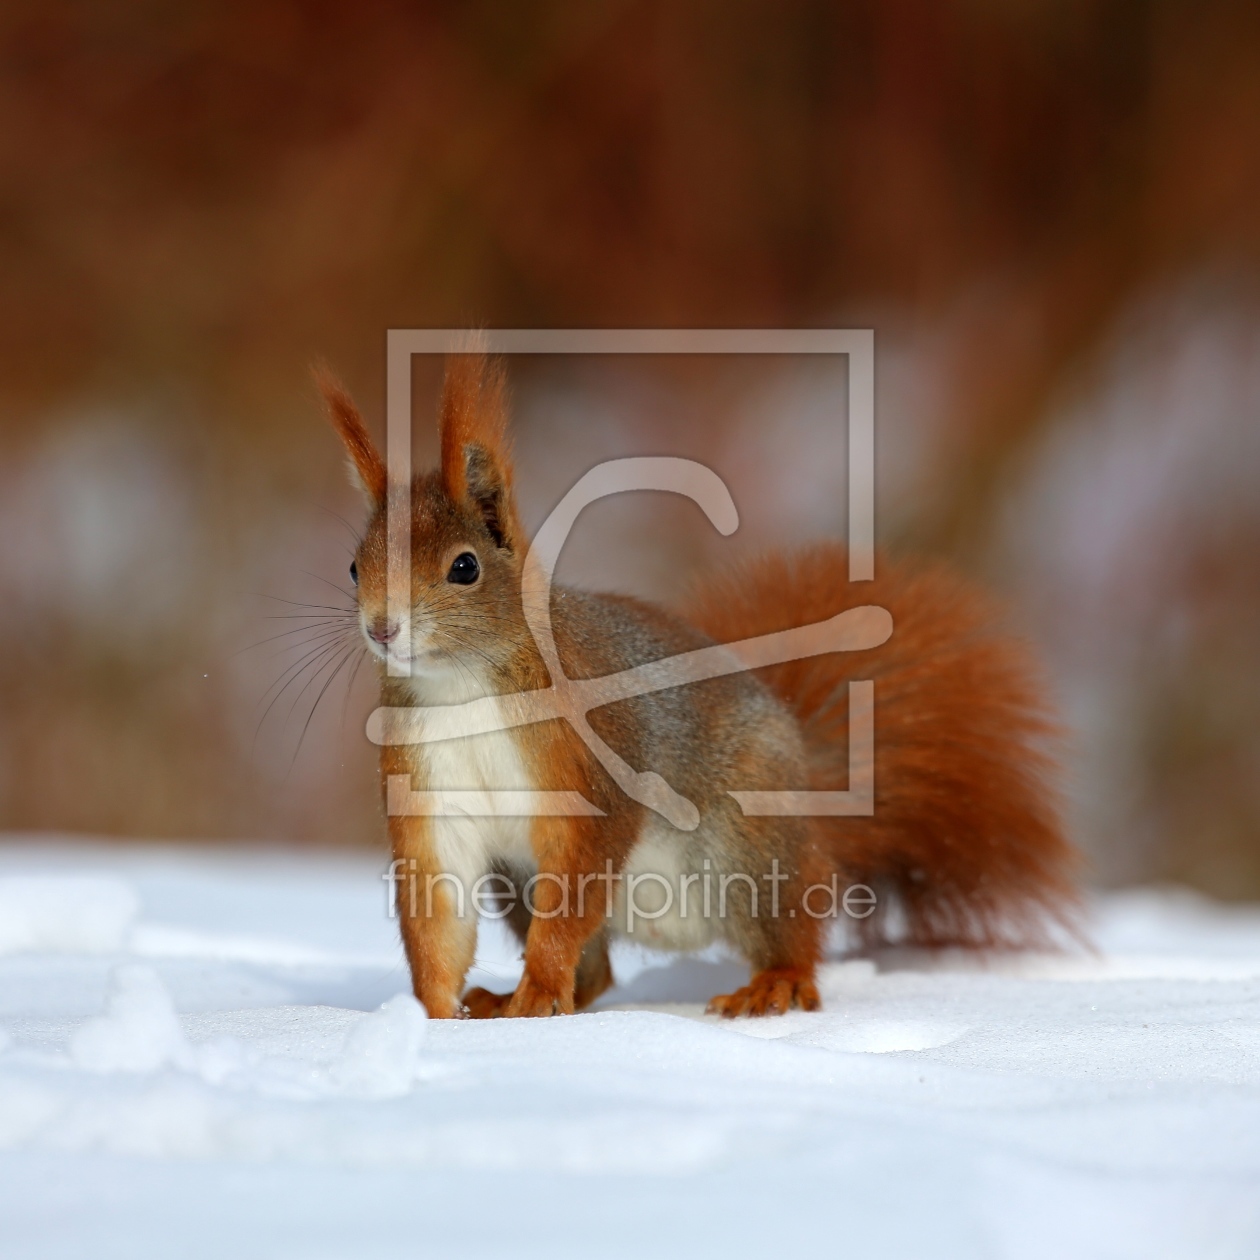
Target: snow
(209, 1052)
(139, 1031)
(65, 914)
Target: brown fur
(473, 427)
(368, 465)
(774, 991)
(965, 829)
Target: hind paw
(772, 992)
(482, 1004)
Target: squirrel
(965, 845)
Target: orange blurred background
(1046, 209)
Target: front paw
(534, 999)
(441, 1006)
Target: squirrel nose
(380, 631)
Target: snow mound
(139, 1031)
(379, 1055)
(65, 914)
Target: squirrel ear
(367, 469)
(476, 457)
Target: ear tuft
(367, 467)
(476, 454)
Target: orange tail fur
(966, 846)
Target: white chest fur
(467, 847)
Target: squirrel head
(467, 547)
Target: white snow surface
(214, 1052)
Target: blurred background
(1048, 210)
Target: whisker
(463, 668)
(354, 673)
(469, 647)
(284, 634)
(323, 636)
(335, 648)
(295, 665)
(317, 636)
(472, 614)
(326, 582)
(344, 659)
(477, 618)
(317, 662)
(342, 614)
(297, 603)
(354, 533)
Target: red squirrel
(965, 845)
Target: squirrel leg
(783, 963)
(565, 917)
(483, 1003)
(594, 972)
(593, 976)
(552, 953)
(778, 936)
(439, 933)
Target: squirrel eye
(354, 572)
(464, 569)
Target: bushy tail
(966, 845)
